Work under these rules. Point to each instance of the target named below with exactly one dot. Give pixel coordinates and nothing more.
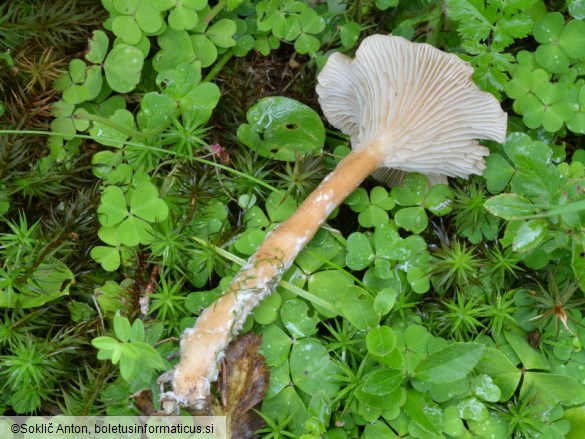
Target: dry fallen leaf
(242, 385)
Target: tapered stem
(202, 347)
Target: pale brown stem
(202, 347)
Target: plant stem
(219, 65)
(215, 10)
(119, 127)
(316, 300)
(151, 148)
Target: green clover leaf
(126, 28)
(560, 42)
(175, 49)
(112, 209)
(98, 47)
(146, 204)
(123, 67)
(184, 15)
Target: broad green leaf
(266, 312)
(112, 209)
(422, 412)
(484, 388)
(472, 409)
(529, 235)
(296, 319)
(123, 67)
(248, 241)
(156, 110)
(359, 251)
(385, 300)
(349, 34)
(418, 280)
(49, 281)
(179, 81)
(279, 206)
(122, 327)
(108, 257)
(439, 200)
(108, 134)
(571, 39)
(98, 47)
(275, 345)
(549, 28)
(197, 105)
(311, 367)
(329, 285)
(553, 389)
(149, 19)
(146, 204)
(77, 69)
(452, 423)
(413, 219)
(576, 9)
(509, 206)
(412, 190)
(182, 18)
(176, 50)
(382, 381)
(504, 374)
(221, 33)
(204, 49)
(282, 128)
(358, 308)
(497, 173)
(449, 364)
(105, 343)
(133, 231)
(126, 28)
(373, 216)
(149, 357)
(381, 341)
(385, 4)
(378, 430)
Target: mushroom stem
(202, 347)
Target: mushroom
(407, 107)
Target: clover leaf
(133, 226)
(184, 14)
(312, 369)
(547, 107)
(98, 47)
(310, 23)
(358, 308)
(560, 42)
(175, 49)
(123, 67)
(412, 191)
(329, 285)
(107, 134)
(296, 320)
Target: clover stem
(119, 127)
(219, 65)
(202, 347)
(215, 10)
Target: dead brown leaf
(242, 386)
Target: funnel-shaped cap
(418, 102)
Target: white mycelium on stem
(408, 107)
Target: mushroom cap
(419, 103)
